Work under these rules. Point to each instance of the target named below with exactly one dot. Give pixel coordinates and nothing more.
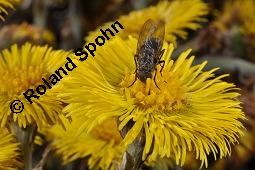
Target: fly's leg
(161, 54)
(162, 66)
(135, 56)
(134, 81)
(161, 61)
(155, 78)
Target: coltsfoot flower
(102, 144)
(21, 33)
(236, 13)
(22, 68)
(9, 157)
(177, 15)
(192, 110)
(6, 4)
(236, 23)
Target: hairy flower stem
(40, 13)
(26, 137)
(132, 158)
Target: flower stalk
(132, 158)
(26, 136)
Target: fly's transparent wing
(152, 35)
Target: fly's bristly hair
(149, 50)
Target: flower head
(6, 4)
(21, 33)
(236, 23)
(9, 158)
(22, 68)
(192, 110)
(177, 15)
(102, 144)
(237, 13)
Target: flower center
(17, 80)
(168, 96)
(107, 131)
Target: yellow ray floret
(6, 4)
(177, 15)
(9, 157)
(192, 110)
(22, 68)
(102, 144)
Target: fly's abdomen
(146, 66)
(144, 74)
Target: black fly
(149, 50)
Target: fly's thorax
(153, 43)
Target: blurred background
(226, 40)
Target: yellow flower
(6, 4)
(177, 15)
(9, 157)
(249, 31)
(102, 144)
(21, 33)
(190, 111)
(237, 12)
(237, 18)
(22, 69)
(249, 27)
